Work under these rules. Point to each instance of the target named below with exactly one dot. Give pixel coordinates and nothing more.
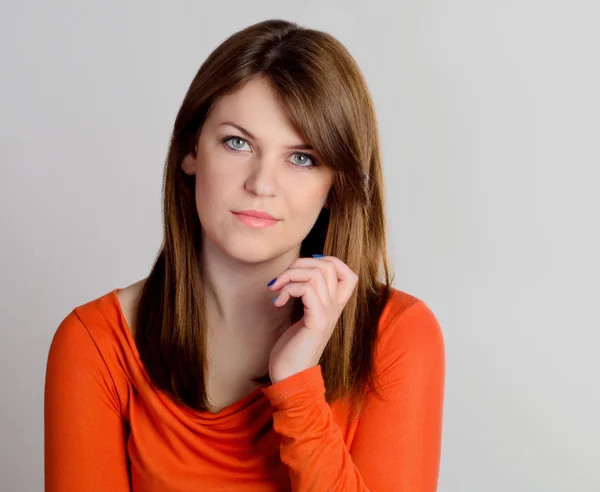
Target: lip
(254, 221)
(255, 213)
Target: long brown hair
(327, 99)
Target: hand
(325, 285)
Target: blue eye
(236, 144)
(306, 158)
(226, 141)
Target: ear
(188, 164)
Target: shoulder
(81, 359)
(93, 332)
(408, 325)
(93, 350)
(85, 323)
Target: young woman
(266, 350)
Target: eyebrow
(248, 134)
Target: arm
(398, 440)
(84, 433)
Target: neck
(237, 295)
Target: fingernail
(271, 282)
(274, 299)
(318, 256)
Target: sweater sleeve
(84, 433)
(397, 444)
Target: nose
(262, 179)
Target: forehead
(255, 92)
(256, 107)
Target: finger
(347, 279)
(305, 291)
(328, 271)
(330, 275)
(312, 275)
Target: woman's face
(262, 165)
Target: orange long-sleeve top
(107, 429)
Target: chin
(251, 253)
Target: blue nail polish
(318, 256)
(274, 299)
(271, 282)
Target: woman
(266, 350)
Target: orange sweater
(106, 429)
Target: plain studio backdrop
(489, 116)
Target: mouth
(255, 213)
(254, 218)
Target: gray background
(489, 118)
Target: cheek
(213, 179)
(307, 204)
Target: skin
(269, 171)
(266, 173)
